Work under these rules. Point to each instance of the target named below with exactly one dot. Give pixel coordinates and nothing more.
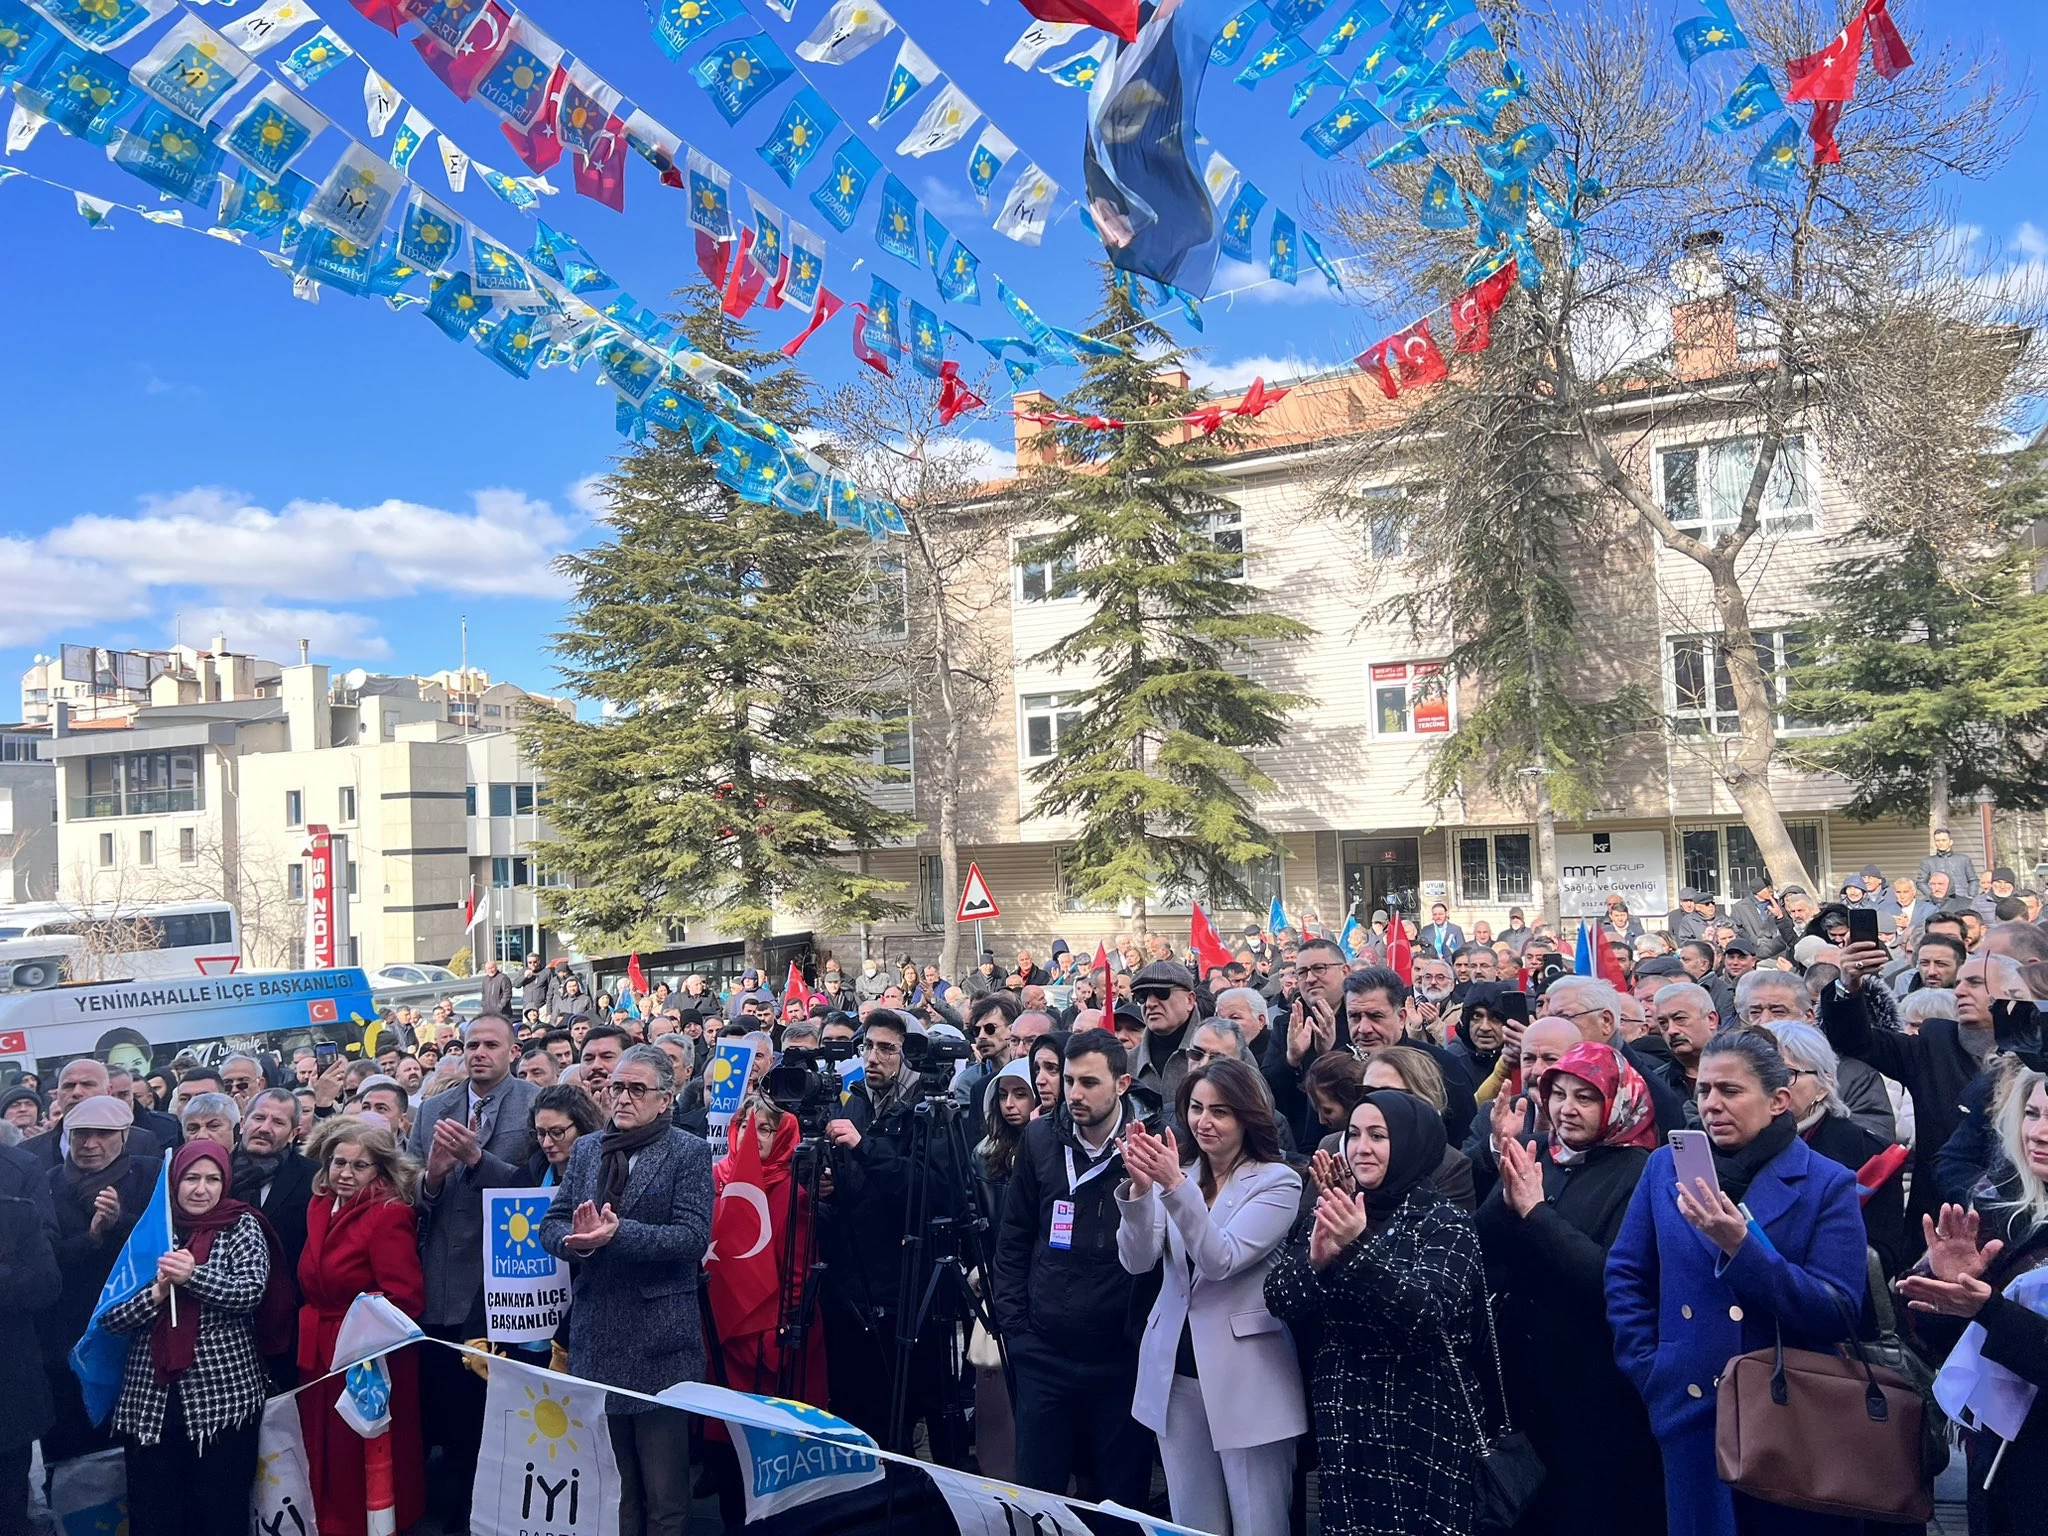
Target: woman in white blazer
(1218, 1380)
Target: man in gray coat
(1945, 860)
(633, 1218)
(470, 1139)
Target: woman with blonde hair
(1991, 1282)
(360, 1236)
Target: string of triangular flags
(333, 234)
(1826, 79)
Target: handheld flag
(1347, 940)
(1400, 953)
(1276, 917)
(1582, 953)
(478, 908)
(1210, 950)
(99, 1357)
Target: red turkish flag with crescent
(1400, 953)
(1472, 314)
(1405, 360)
(742, 1262)
(461, 70)
(1118, 16)
(1210, 950)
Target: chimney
(1703, 320)
(1036, 446)
(220, 645)
(305, 652)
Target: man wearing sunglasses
(989, 1018)
(1165, 994)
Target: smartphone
(1513, 1007)
(324, 1052)
(1693, 1154)
(1862, 926)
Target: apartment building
(1358, 831)
(28, 816)
(98, 685)
(212, 799)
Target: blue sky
(194, 451)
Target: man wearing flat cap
(1686, 921)
(1165, 994)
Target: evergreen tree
(1931, 664)
(1157, 769)
(734, 768)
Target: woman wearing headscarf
(1689, 1286)
(1008, 1103)
(1390, 1278)
(193, 1387)
(1982, 1267)
(1545, 1230)
(361, 1235)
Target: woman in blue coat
(1690, 1285)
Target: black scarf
(83, 1188)
(1415, 1145)
(616, 1149)
(1736, 1169)
(251, 1173)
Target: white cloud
(988, 460)
(276, 632)
(1238, 372)
(588, 497)
(212, 538)
(2031, 241)
(48, 594)
(1309, 286)
(945, 199)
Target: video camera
(806, 1083)
(933, 1059)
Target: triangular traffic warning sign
(975, 901)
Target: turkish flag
(1099, 966)
(1206, 420)
(385, 13)
(794, 990)
(711, 259)
(862, 350)
(746, 1248)
(955, 398)
(1258, 399)
(461, 70)
(1888, 51)
(600, 171)
(828, 305)
(1118, 16)
(1473, 311)
(1210, 950)
(1400, 953)
(1830, 75)
(1405, 360)
(636, 976)
(1821, 130)
(743, 280)
(1605, 965)
(541, 145)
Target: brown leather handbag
(1823, 1432)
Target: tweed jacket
(633, 1319)
(225, 1385)
(452, 1218)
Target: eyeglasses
(346, 1165)
(1318, 968)
(630, 1090)
(882, 1048)
(555, 1132)
(1151, 994)
(1196, 1055)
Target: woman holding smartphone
(1691, 1283)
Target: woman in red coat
(359, 1237)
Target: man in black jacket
(494, 994)
(876, 1175)
(273, 1176)
(1070, 1315)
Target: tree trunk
(949, 758)
(1748, 771)
(1937, 794)
(1546, 854)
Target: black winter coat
(29, 1282)
(1557, 1352)
(1394, 1363)
(1079, 1297)
(84, 1260)
(1843, 1141)
(873, 1185)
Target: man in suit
(633, 1215)
(1442, 937)
(81, 1080)
(273, 1176)
(470, 1139)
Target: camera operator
(875, 1179)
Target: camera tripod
(938, 1250)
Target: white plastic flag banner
(944, 124)
(1982, 1394)
(1040, 38)
(192, 69)
(1221, 178)
(356, 196)
(1151, 1525)
(455, 163)
(790, 1453)
(1028, 208)
(380, 101)
(412, 133)
(372, 1327)
(281, 1498)
(982, 1506)
(546, 1462)
(913, 72)
(269, 24)
(849, 29)
(526, 1288)
(22, 127)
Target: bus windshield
(144, 1025)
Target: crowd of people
(1310, 1229)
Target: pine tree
(1931, 664)
(732, 773)
(1158, 768)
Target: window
(145, 847)
(931, 893)
(509, 872)
(106, 850)
(391, 727)
(896, 749)
(17, 749)
(1411, 699)
(353, 889)
(294, 808)
(347, 805)
(355, 950)
(194, 930)
(1493, 867)
(1702, 854)
(1475, 871)
(139, 784)
(512, 945)
(512, 799)
(1743, 870)
(1511, 867)
(1047, 717)
(1704, 486)
(295, 882)
(887, 599)
(1702, 700)
(1038, 582)
(1385, 538)
(469, 799)
(1225, 528)
(494, 711)
(188, 845)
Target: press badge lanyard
(1062, 1234)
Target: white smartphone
(1693, 1155)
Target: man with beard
(1434, 984)
(271, 1175)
